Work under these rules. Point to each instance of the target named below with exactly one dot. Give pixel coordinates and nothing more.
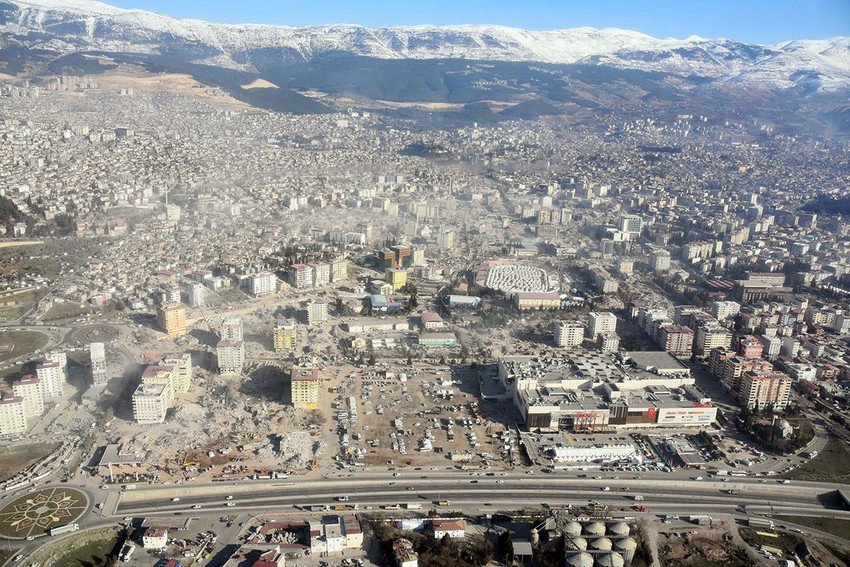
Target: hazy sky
(756, 21)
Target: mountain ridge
(66, 26)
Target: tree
(505, 547)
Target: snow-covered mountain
(68, 26)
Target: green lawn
(19, 458)
(44, 509)
(829, 465)
(12, 313)
(65, 310)
(94, 554)
(785, 541)
(25, 342)
(834, 526)
(6, 554)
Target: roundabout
(94, 334)
(34, 513)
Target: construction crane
(207, 320)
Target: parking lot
(395, 418)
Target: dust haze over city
(444, 294)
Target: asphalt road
(527, 490)
(480, 494)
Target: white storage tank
(626, 547)
(618, 529)
(579, 559)
(609, 559)
(572, 529)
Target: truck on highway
(413, 506)
(721, 472)
(764, 523)
(443, 503)
(343, 507)
(129, 487)
(342, 498)
(63, 529)
(638, 497)
(700, 519)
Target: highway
(670, 494)
(516, 491)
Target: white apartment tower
(321, 273)
(261, 284)
(231, 329)
(608, 342)
(568, 333)
(51, 378)
(231, 356)
(98, 364)
(659, 260)
(723, 310)
(13, 420)
(29, 389)
(150, 403)
(182, 373)
(631, 225)
(62, 359)
(317, 312)
(601, 322)
(339, 269)
(196, 293)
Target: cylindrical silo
(601, 544)
(626, 547)
(572, 529)
(579, 559)
(579, 543)
(618, 529)
(595, 529)
(609, 559)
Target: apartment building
(285, 337)
(765, 388)
(339, 269)
(263, 283)
(676, 340)
(231, 329)
(150, 403)
(304, 387)
(396, 277)
(13, 420)
(97, 354)
(29, 389)
(300, 276)
(601, 322)
(568, 333)
(231, 356)
(317, 311)
(181, 374)
(51, 378)
(321, 273)
(710, 337)
(172, 319)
